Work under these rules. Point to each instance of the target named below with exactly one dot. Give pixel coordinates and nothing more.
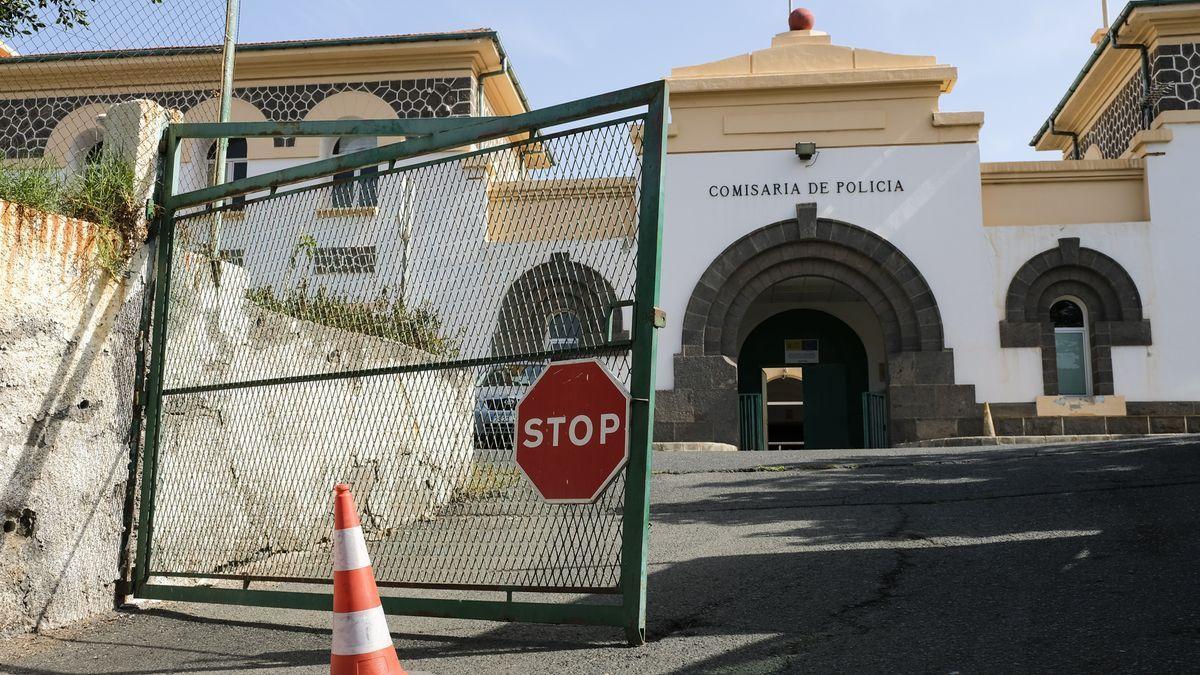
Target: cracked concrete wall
(67, 339)
(246, 474)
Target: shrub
(419, 327)
(102, 193)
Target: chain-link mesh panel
(85, 90)
(378, 327)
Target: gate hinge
(660, 317)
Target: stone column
(703, 406)
(132, 132)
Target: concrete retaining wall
(66, 374)
(247, 473)
(244, 476)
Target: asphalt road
(1026, 559)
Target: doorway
(811, 370)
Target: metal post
(218, 175)
(154, 385)
(636, 518)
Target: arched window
(1071, 347)
(361, 192)
(235, 164)
(1071, 297)
(564, 330)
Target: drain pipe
(1070, 134)
(1147, 106)
(483, 76)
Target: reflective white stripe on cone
(360, 632)
(349, 550)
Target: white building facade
(839, 269)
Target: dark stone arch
(558, 285)
(1110, 296)
(807, 246)
(924, 400)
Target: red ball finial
(801, 18)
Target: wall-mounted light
(807, 152)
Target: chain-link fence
(465, 275)
(69, 134)
(375, 320)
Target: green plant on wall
(102, 193)
(383, 317)
(387, 316)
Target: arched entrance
(923, 399)
(810, 369)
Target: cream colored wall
(584, 210)
(1064, 193)
(804, 88)
(777, 120)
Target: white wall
(936, 221)
(1172, 370)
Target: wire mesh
(378, 328)
(80, 82)
(58, 82)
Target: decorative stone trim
(852, 255)
(1175, 85)
(26, 124)
(1118, 123)
(924, 400)
(1158, 417)
(1113, 304)
(1177, 77)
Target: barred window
(361, 192)
(285, 141)
(344, 260)
(234, 256)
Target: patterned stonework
(26, 124)
(1177, 77)
(1117, 125)
(1175, 73)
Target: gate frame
(427, 136)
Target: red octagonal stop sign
(572, 431)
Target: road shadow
(1073, 559)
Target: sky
(1015, 58)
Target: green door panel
(826, 418)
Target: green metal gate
(370, 318)
(751, 422)
(874, 412)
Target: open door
(783, 389)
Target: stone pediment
(810, 52)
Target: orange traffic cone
(362, 644)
